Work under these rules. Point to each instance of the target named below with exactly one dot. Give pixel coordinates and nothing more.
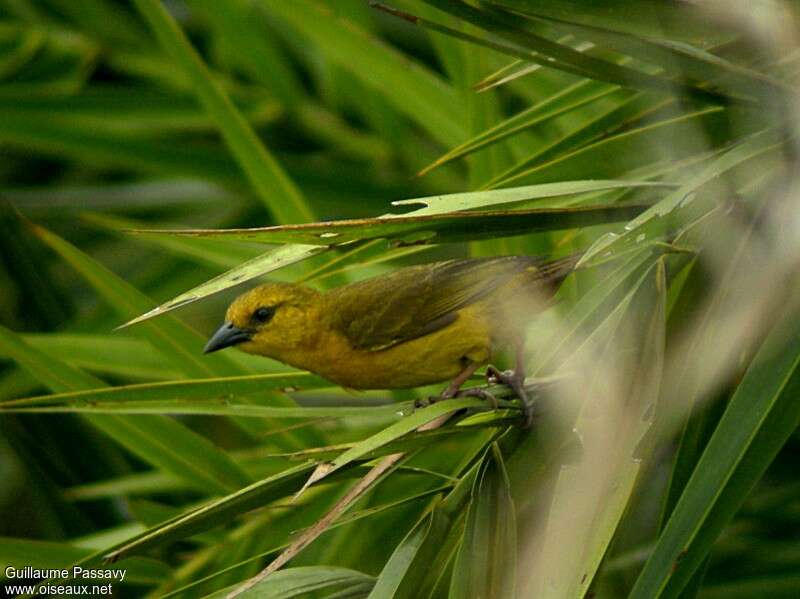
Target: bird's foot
(480, 394)
(424, 402)
(516, 380)
(447, 393)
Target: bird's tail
(555, 271)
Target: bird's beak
(226, 335)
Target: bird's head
(270, 320)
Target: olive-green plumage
(415, 326)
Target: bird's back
(415, 301)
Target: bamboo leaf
(255, 267)
(486, 562)
(392, 432)
(158, 440)
(523, 43)
(560, 103)
(302, 581)
(431, 228)
(226, 388)
(759, 419)
(221, 409)
(457, 202)
(212, 514)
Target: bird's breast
(436, 357)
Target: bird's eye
(264, 314)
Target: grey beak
(226, 336)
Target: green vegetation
(159, 154)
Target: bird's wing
(412, 302)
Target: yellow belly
(433, 358)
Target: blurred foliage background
(660, 137)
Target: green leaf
(486, 562)
(616, 155)
(395, 431)
(123, 109)
(419, 565)
(645, 18)
(213, 513)
(395, 569)
(431, 228)
(586, 308)
(410, 87)
(303, 581)
(682, 59)
(255, 267)
(457, 202)
(241, 410)
(180, 344)
(108, 148)
(215, 254)
(560, 103)
(342, 521)
(158, 440)
(121, 356)
(578, 132)
(522, 42)
(225, 389)
(761, 416)
(20, 553)
(279, 194)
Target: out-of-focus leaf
(21, 553)
(652, 224)
(570, 571)
(126, 109)
(105, 148)
(278, 192)
(158, 440)
(409, 86)
(121, 356)
(177, 342)
(300, 582)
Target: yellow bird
(415, 326)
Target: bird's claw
(516, 380)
